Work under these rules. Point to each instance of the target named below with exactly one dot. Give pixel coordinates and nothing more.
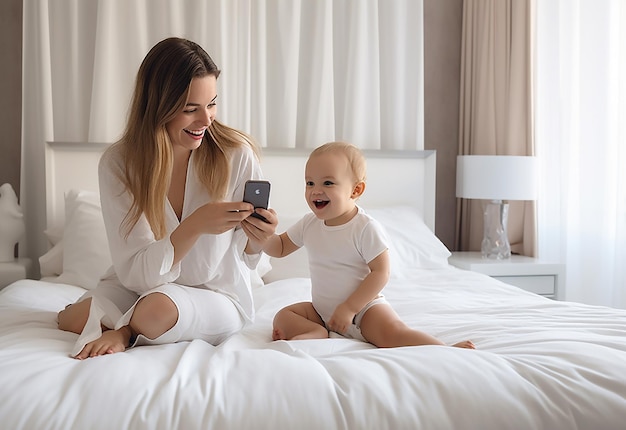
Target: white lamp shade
(496, 177)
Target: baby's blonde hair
(355, 157)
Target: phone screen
(257, 192)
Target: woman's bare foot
(465, 344)
(110, 342)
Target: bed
(540, 364)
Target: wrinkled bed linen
(540, 364)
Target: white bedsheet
(540, 364)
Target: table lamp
(496, 179)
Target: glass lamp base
(495, 244)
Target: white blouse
(216, 262)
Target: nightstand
(531, 274)
(14, 271)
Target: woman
(181, 238)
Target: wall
(11, 91)
(442, 38)
(442, 70)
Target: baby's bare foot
(277, 334)
(465, 344)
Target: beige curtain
(496, 107)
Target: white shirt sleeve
(373, 241)
(140, 261)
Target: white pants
(202, 314)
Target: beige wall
(442, 28)
(10, 91)
(442, 72)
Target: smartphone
(257, 192)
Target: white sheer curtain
(295, 73)
(581, 138)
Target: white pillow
(264, 266)
(80, 254)
(54, 234)
(85, 249)
(412, 244)
(51, 263)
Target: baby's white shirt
(338, 256)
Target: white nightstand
(531, 274)
(14, 271)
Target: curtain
(496, 107)
(581, 138)
(295, 73)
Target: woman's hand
(259, 231)
(218, 218)
(211, 218)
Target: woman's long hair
(161, 92)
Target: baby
(348, 259)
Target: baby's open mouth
(319, 204)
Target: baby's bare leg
(465, 344)
(382, 327)
(298, 321)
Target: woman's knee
(154, 315)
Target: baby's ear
(358, 190)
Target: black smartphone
(257, 192)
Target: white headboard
(393, 178)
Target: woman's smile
(195, 134)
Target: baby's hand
(341, 319)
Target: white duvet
(540, 364)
